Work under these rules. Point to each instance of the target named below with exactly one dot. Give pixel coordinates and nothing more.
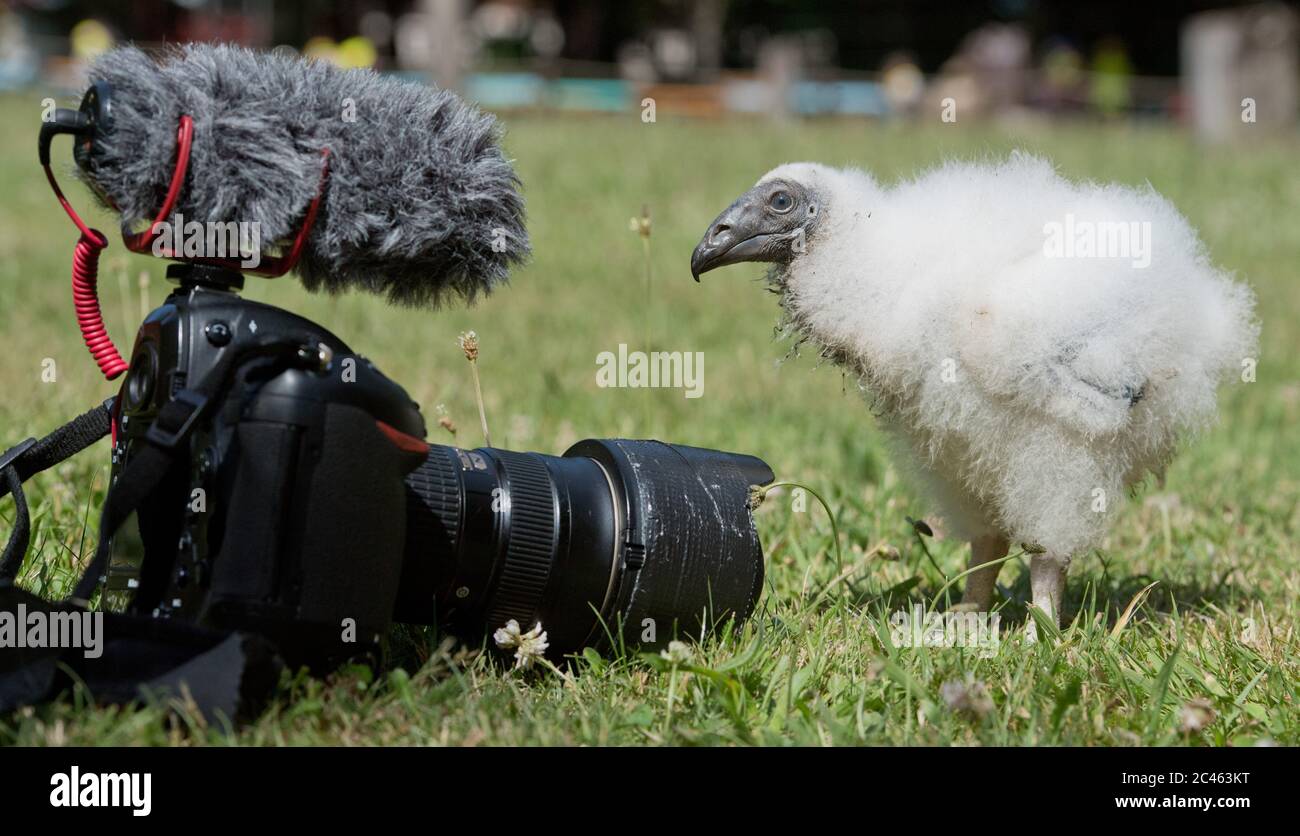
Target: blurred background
(1189, 63)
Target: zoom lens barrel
(630, 541)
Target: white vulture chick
(1034, 346)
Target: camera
(308, 508)
(268, 480)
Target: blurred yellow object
(904, 84)
(321, 48)
(357, 52)
(90, 38)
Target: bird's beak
(734, 236)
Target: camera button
(218, 333)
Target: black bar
(205, 786)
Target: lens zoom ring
(433, 504)
(531, 549)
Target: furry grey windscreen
(421, 202)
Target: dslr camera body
(284, 510)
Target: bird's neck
(829, 301)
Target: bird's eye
(781, 202)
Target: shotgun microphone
(389, 187)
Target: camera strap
(32, 456)
(221, 672)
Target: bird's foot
(978, 594)
(1047, 573)
(1031, 624)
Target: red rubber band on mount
(271, 267)
(184, 139)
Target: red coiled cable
(85, 285)
(85, 299)
(85, 259)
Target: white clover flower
(529, 647)
(678, 653)
(508, 636)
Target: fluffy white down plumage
(1025, 391)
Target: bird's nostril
(718, 230)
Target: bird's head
(772, 222)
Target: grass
(1207, 656)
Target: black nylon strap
(141, 475)
(226, 674)
(12, 559)
(25, 460)
(31, 457)
(62, 444)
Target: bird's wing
(1086, 385)
(1086, 379)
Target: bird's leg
(1047, 583)
(978, 596)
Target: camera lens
(635, 541)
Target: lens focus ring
(531, 547)
(434, 503)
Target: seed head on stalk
(469, 344)
(642, 226)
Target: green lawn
(1218, 540)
